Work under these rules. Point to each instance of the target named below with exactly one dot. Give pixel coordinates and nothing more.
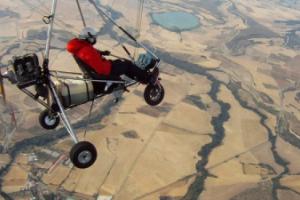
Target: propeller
(2, 90)
(13, 120)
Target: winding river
(196, 189)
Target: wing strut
(50, 23)
(81, 14)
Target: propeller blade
(2, 90)
(3, 95)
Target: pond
(176, 21)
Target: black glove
(105, 53)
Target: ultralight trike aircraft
(59, 91)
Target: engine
(27, 70)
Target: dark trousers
(126, 67)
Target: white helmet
(88, 34)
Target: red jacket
(89, 55)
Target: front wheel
(83, 154)
(154, 94)
(49, 120)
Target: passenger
(82, 48)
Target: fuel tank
(74, 92)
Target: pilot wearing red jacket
(82, 48)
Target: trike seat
(99, 87)
(91, 73)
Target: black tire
(154, 94)
(47, 121)
(83, 154)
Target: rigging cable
(104, 15)
(109, 18)
(89, 117)
(139, 20)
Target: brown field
(243, 53)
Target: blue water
(176, 21)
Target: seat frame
(104, 83)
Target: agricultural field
(228, 128)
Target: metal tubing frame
(54, 94)
(50, 28)
(51, 86)
(30, 94)
(88, 80)
(64, 123)
(63, 72)
(63, 115)
(42, 103)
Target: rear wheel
(49, 120)
(154, 94)
(83, 154)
